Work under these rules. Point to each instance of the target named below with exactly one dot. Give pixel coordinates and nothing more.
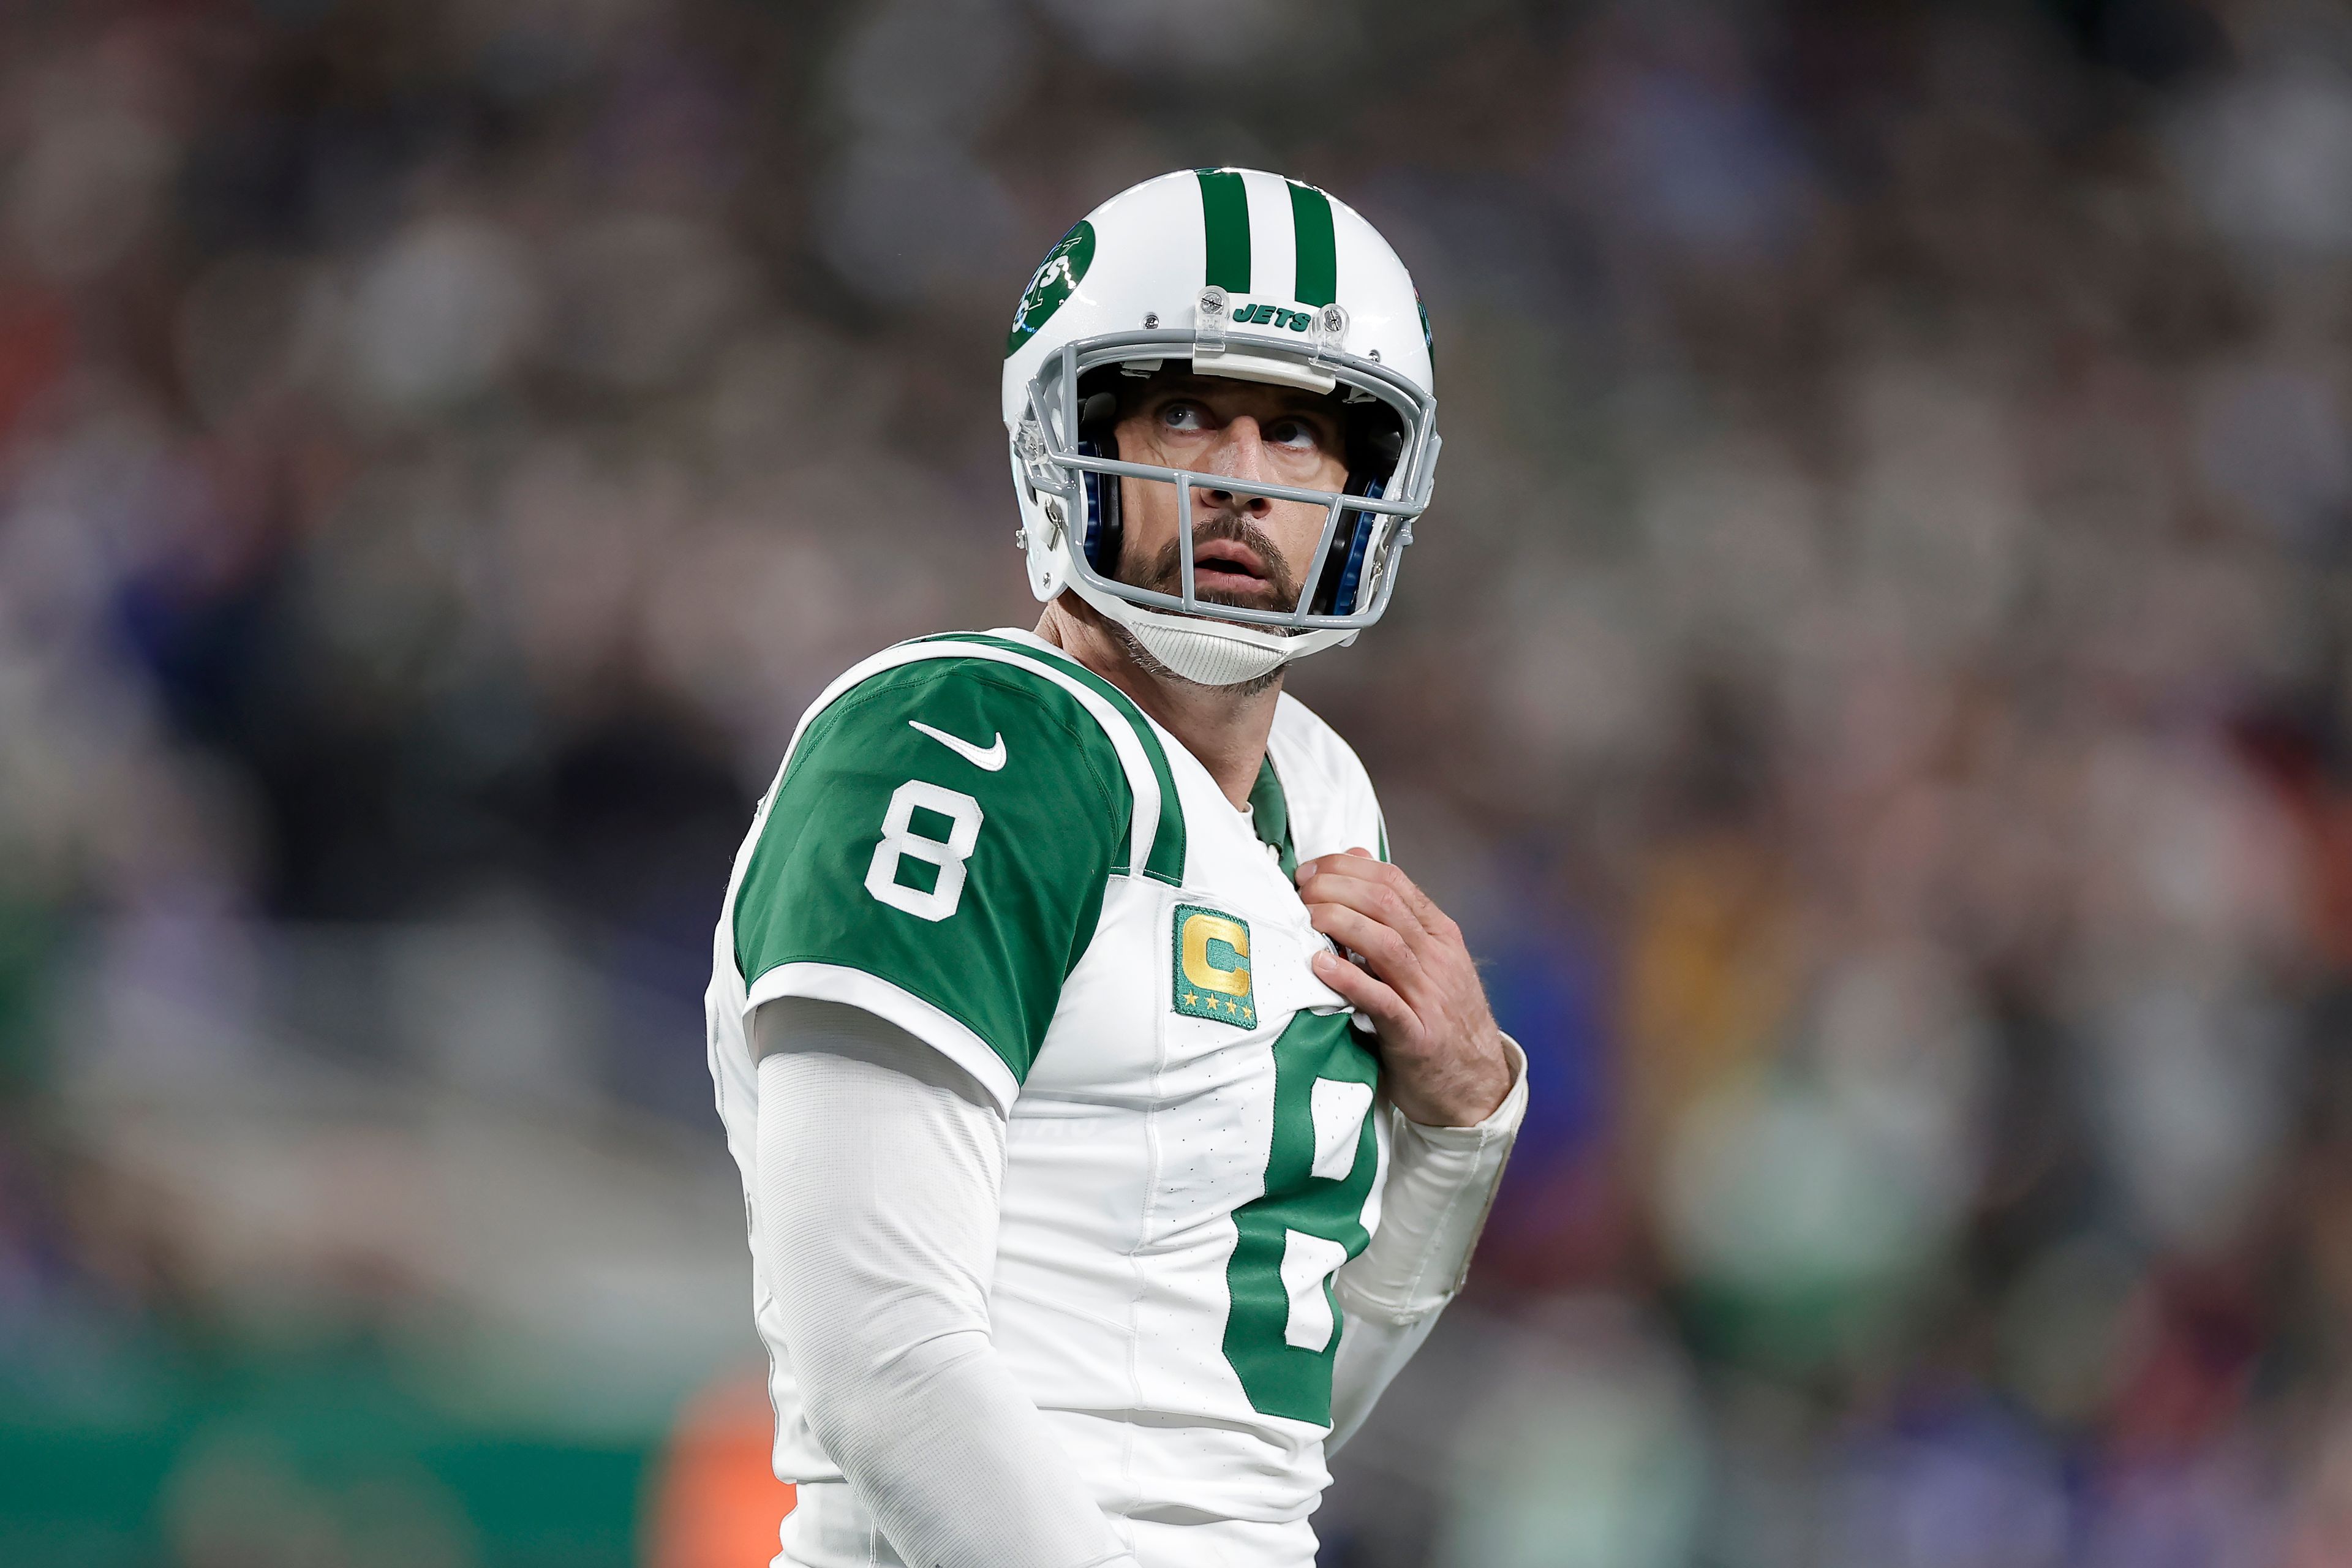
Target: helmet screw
(1021, 539)
(1376, 356)
(1335, 319)
(1150, 319)
(1212, 301)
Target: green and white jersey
(983, 842)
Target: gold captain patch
(1212, 976)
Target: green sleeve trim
(1165, 860)
(947, 826)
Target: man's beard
(1167, 577)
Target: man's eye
(1294, 433)
(1182, 416)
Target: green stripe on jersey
(1165, 863)
(1318, 246)
(967, 875)
(1225, 227)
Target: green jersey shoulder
(946, 824)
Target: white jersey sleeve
(880, 1165)
(1441, 1183)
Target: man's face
(1246, 550)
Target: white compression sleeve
(1441, 1183)
(880, 1163)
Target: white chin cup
(1207, 652)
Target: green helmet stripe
(1224, 223)
(1318, 249)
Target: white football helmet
(1241, 274)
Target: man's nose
(1240, 453)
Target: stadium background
(1875, 684)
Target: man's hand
(1442, 1055)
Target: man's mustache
(1167, 576)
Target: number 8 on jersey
(901, 841)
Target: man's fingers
(1367, 995)
(1361, 864)
(1391, 956)
(1375, 895)
(1353, 863)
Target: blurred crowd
(1876, 682)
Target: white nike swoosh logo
(988, 759)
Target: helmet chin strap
(1208, 652)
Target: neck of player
(1223, 727)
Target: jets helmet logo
(1064, 268)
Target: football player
(1114, 1118)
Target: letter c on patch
(1216, 955)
